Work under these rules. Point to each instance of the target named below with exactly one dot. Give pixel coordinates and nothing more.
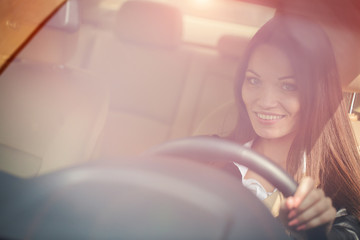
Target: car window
(93, 84)
(21, 19)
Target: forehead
(270, 60)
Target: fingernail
(293, 223)
(291, 214)
(302, 227)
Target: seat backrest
(50, 118)
(51, 114)
(221, 121)
(217, 113)
(219, 79)
(145, 67)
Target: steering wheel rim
(192, 196)
(205, 147)
(54, 192)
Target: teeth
(269, 117)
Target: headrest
(232, 45)
(149, 23)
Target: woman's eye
(253, 80)
(289, 87)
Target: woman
(291, 110)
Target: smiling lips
(269, 117)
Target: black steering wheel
(154, 196)
(203, 148)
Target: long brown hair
(325, 135)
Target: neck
(276, 150)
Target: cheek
(293, 106)
(246, 96)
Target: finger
(289, 207)
(311, 199)
(315, 211)
(287, 203)
(305, 187)
(326, 217)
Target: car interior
(104, 81)
(137, 85)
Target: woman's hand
(308, 208)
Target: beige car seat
(145, 68)
(221, 120)
(51, 114)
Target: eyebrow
(287, 77)
(253, 72)
(280, 78)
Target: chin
(274, 135)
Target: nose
(268, 98)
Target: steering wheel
(203, 148)
(155, 196)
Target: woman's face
(270, 93)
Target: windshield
(21, 19)
(106, 79)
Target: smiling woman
(291, 110)
(130, 74)
(270, 94)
